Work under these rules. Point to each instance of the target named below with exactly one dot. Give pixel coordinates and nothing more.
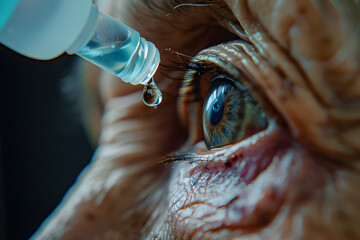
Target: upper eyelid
(229, 78)
(219, 58)
(211, 60)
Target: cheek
(264, 190)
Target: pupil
(216, 112)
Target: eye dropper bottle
(44, 29)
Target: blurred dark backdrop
(43, 145)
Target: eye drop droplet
(151, 94)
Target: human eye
(230, 113)
(225, 110)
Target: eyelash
(193, 70)
(190, 82)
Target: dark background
(43, 145)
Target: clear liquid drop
(152, 95)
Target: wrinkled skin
(298, 179)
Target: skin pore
(296, 179)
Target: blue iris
(224, 120)
(215, 104)
(216, 111)
(221, 114)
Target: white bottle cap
(44, 29)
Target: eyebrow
(163, 8)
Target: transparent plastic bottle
(117, 49)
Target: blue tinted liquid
(112, 57)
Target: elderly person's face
(258, 135)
